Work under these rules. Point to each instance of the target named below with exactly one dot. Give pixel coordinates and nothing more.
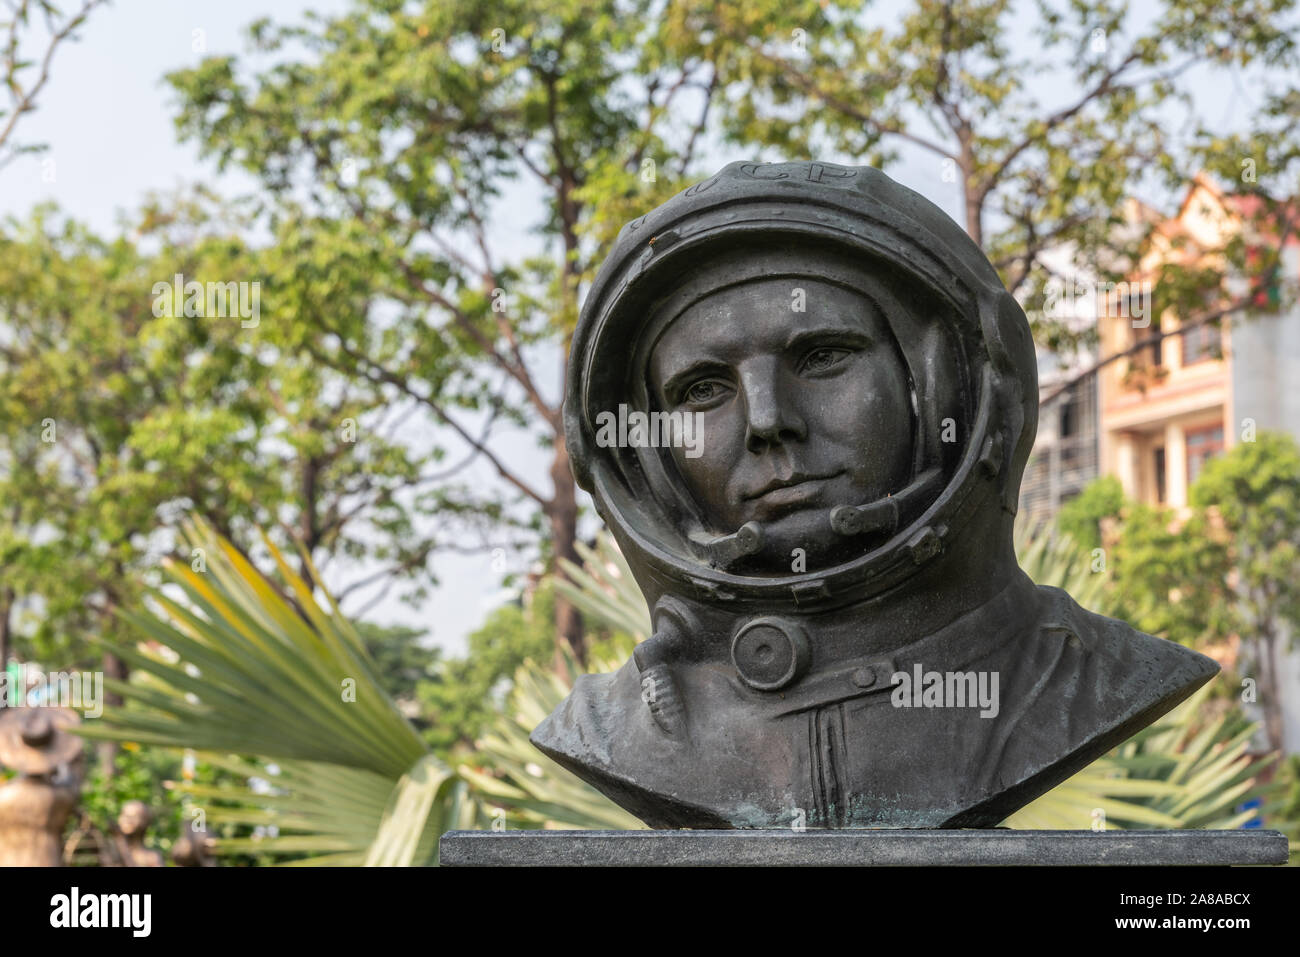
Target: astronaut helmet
(932, 432)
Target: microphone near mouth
(849, 521)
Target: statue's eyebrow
(828, 335)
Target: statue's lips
(797, 489)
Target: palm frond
(236, 666)
(532, 789)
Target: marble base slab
(860, 848)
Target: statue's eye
(706, 390)
(820, 360)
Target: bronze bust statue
(832, 398)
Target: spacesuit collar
(969, 638)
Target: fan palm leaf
(236, 666)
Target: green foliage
(100, 429)
(158, 777)
(117, 415)
(247, 669)
(402, 663)
(1051, 558)
(263, 657)
(463, 693)
(1254, 491)
(1184, 771)
(1170, 573)
(466, 696)
(1167, 570)
(513, 778)
(605, 591)
(1285, 812)
(1251, 497)
(1226, 565)
(139, 774)
(1081, 518)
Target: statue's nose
(771, 414)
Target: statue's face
(798, 411)
(133, 818)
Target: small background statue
(132, 823)
(191, 848)
(47, 761)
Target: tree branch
(24, 100)
(377, 373)
(1055, 120)
(848, 109)
(1261, 285)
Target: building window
(1150, 356)
(1156, 351)
(1201, 343)
(1160, 475)
(1202, 445)
(1069, 418)
(1078, 411)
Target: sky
(107, 117)
(106, 113)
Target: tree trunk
(309, 524)
(972, 189)
(114, 667)
(974, 218)
(6, 619)
(1269, 691)
(563, 510)
(563, 514)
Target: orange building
(1166, 409)
(1170, 406)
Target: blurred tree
(402, 663)
(119, 413)
(395, 144)
(1167, 569)
(1083, 516)
(1226, 565)
(959, 83)
(18, 60)
(1254, 492)
(1170, 574)
(109, 417)
(464, 693)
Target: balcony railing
(1057, 471)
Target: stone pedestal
(860, 848)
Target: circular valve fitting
(769, 653)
